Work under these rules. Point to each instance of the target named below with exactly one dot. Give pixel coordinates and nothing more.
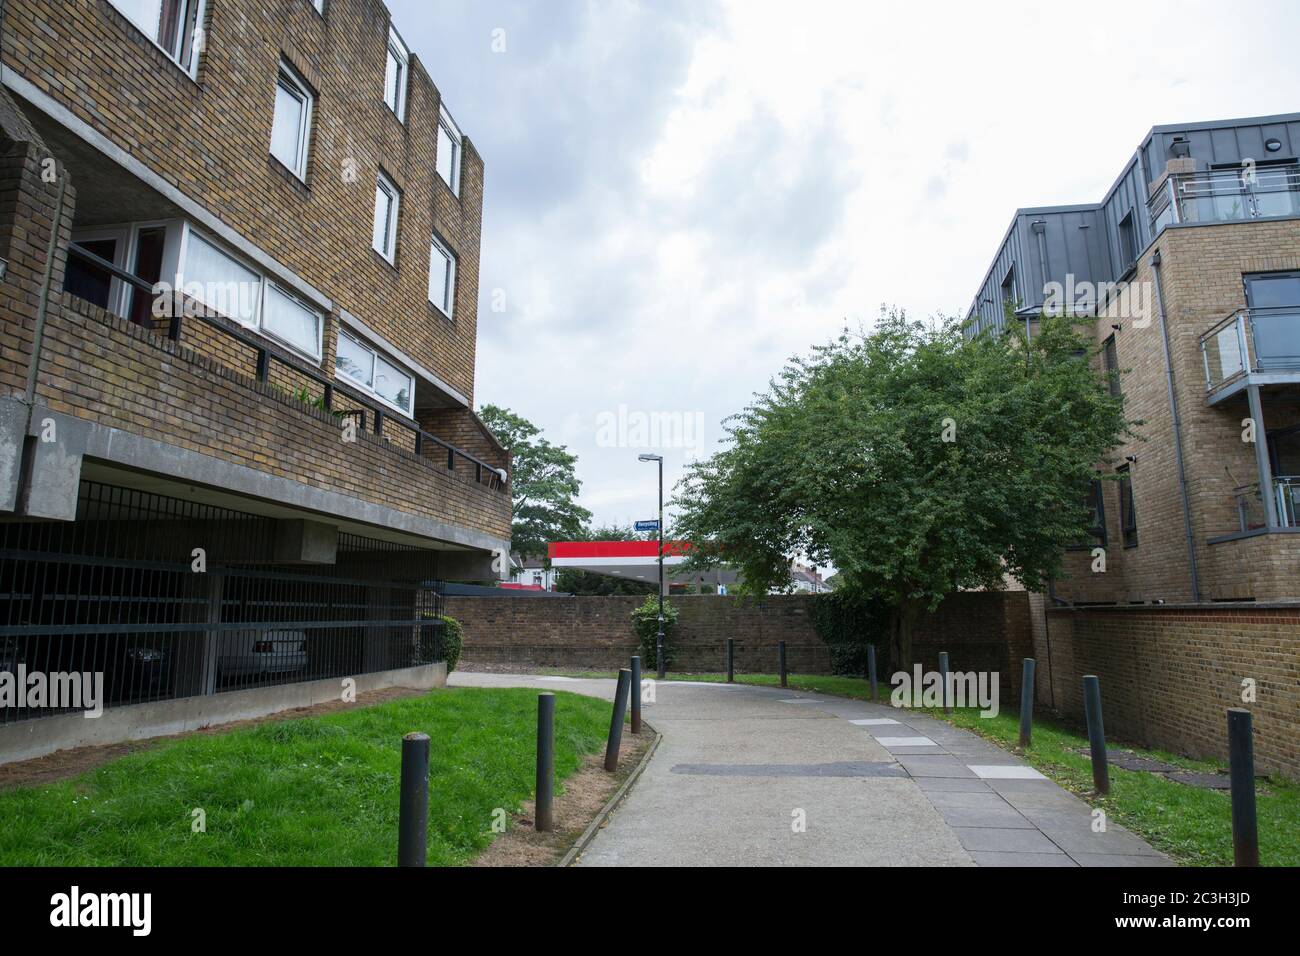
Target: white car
(243, 653)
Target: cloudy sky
(680, 194)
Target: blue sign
(647, 526)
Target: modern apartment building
(1188, 271)
(237, 441)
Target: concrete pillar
(375, 648)
(1262, 462)
(196, 661)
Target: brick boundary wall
(980, 630)
(1168, 674)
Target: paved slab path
(758, 776)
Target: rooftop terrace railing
(1226, 195)
(369, 415)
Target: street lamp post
(659, 641)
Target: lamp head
(648, 457)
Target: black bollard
(871, 668)
(780, 650)
(616, 721)
(1241, 762)
(1026, 701)
(943, 677)
(545, 761)
(1096, 734)
(413, 805)
(636, 694)
(731, 660)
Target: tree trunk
(902, 624)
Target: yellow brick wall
(1201, 275)
(211, 139)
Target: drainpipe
(33, 367)
(1178, 431)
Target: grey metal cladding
(1084, 240)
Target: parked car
(136, 671)
(261, 653)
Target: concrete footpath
(758, 776)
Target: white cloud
(677, 201)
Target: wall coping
(1209, 608)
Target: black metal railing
(115, 607)
(370, 415)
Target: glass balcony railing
(1251, 514)
(1251, 340)
(1230, 195)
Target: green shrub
(453, 641)
(450, 637)
(645, 625)
(849, 624)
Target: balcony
(1251, 513)
(1251, 347)
(1231, 195)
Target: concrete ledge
(36, 738)
(13, 432)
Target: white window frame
(448, 125)
(200, 33)
(265, 280)
(437, 245)
(369, 390)
(267, 284)
(289, 77)
(383, 182)
(399, 52)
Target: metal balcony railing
(1251, 514)
(369, 415)
(1229, 195)
(1251, 340)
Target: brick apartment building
(1188, 273)
(237, 444)
(1195, 251)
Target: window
(387, 201)
(442, 278)
(1110, 355)
(448, 155)
(290, 321)
(395, 70)
(1128, 250)
(319, 5)
(374, 373)
(228, 287)
(1009, 295)
(220, 282)
(1095, 504)
(1127, 513)
(1274, 301)
(150, 253)
(291, 128)
(170, 24)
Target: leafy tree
(915, 462)
(543, 482)
(574, 581)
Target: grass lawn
(319, 791)
(1192, 825)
